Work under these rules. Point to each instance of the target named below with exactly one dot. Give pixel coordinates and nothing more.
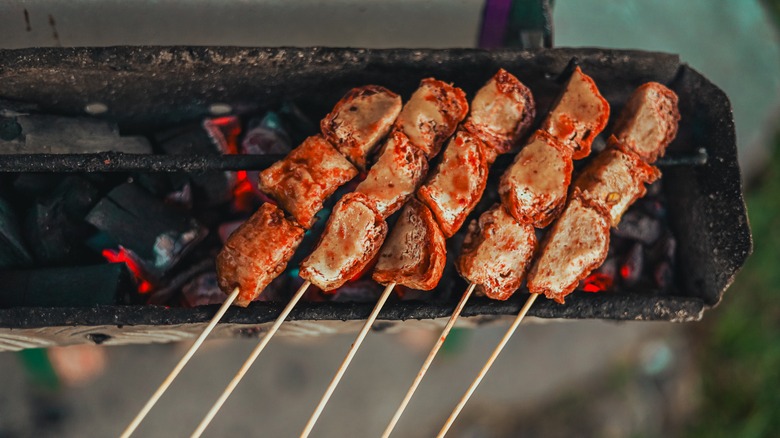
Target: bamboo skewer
(250, 360)
(429, 360)
(179, 366)
(345, 364)
(487, 366)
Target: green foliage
(741, 351)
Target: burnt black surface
(120, 162)
(55, 227)
(146, 87)
(705, 202)
(13, 251)
(84, 286)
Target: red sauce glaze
(306, 177)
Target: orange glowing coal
(597, 282)
(122, 256)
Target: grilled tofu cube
(457, 183)
(351, 239)
(614, 180)
(580, 114)
(534, 188)
(360, 120)
(576, 245)
(415, 252)
(496, 253)
(501, 113)
(257, 252)
(307, 176)
(648, 123)
(432, 114)
(395, 176)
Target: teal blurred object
(39, 369)
(733, 43)
(456, 341)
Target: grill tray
(152, 87)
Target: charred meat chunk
(501, 112)
(457, 183)
(414, 253)
(307, 176)
(649, 121)
(360, 120)
(352, 238)
(614, 180)
(534, 188)
(576, 245)
(257, 252)
(580, 114)
(432, 114)
(496, 253)
(395, 176)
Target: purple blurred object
(494, 23)
(266, 136)
(203, 290)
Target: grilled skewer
(259, 250)
(498, 247)
(501, 112)
(579, 239)
(357, 123)
(430, 116)
(356, 228)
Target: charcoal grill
(147, 88)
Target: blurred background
(718, 377)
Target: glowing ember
(597, 282)
(244, 196)
(122, 256)
(230, 128)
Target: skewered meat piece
(577, 243)
(534, 188)
(257, 252)
(432, 114)
(395, 176)
(580, 114)
(458, 182)
(414, 253)
(496, 253)
(351, 239)
(615, 179)
(307, 176)
(649, 121)
(501, 112)
(359, 120)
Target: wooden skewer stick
(179, 366)
(252, 357)
(487, 366)
(429, 360)
(343, 368)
